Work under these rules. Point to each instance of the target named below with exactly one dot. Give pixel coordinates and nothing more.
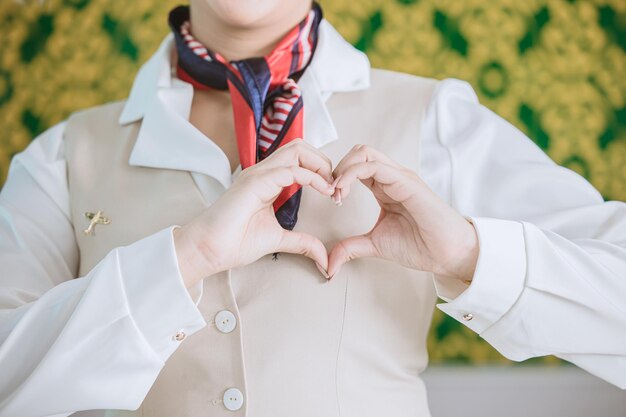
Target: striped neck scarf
(267, 103)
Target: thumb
(304, 244)
(349, 249)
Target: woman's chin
(243, 13)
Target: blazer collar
(162, 102)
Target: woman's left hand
(415, 228)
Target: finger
(278, 178)
(299, 153)
(304, 244)
(348, 249)
(362, 153)
(393, 177)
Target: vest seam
(343, 323)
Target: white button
(225, 321)
(179, 336)
(468, 316)
(233, 399)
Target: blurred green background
(554, 68)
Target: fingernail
(337, 198)
(322, 271)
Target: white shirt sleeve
(71, 343)
(551, 272)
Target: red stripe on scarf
(244, 128)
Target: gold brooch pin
(94, 219)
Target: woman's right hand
(241, 227)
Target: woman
(191, 293)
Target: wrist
(466, 256)
(192, 262)
(473, 250)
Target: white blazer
(89, 322)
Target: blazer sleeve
(551, 272)
(71, 343)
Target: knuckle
(292, 149)
(302, 147)
(280, 151)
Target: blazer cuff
(498, 280)
(159, 303)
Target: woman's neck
(235, 42)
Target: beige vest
(302, 347)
